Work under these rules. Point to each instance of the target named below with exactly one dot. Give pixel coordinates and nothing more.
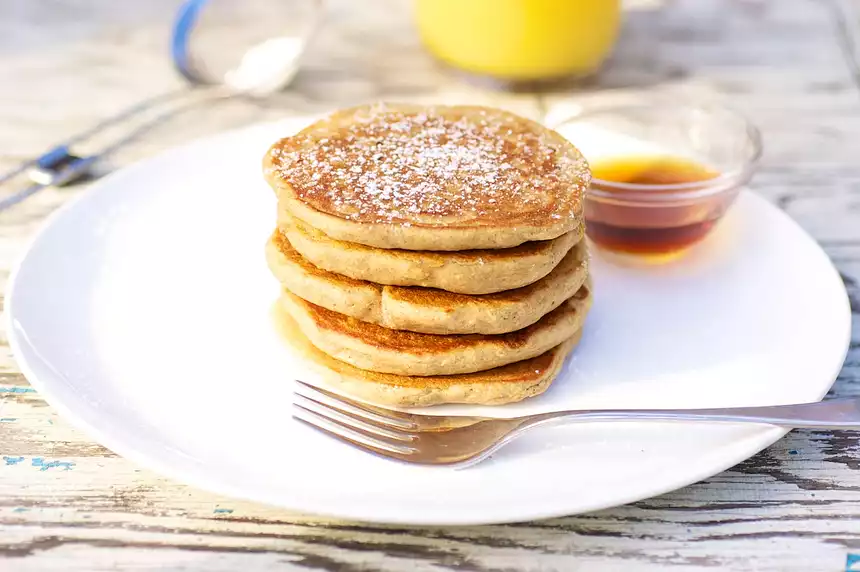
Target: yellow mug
(520, 40)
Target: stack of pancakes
(430, 254)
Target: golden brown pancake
(427, 310)
(372, 347)
(430, 178)
(467, 272)
(506, 384)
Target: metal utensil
(264, 60)
(462, 441)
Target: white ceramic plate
(141, 312)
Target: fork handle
(830, 414)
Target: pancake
(430, 178)
(372, 347)
(466, 272)
(507, 384)
(427, 310)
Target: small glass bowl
(661, 221)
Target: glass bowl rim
(725, 181)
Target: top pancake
(430, 178)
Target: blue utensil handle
(180, 42)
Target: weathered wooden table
(67, 503)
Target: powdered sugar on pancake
(444, 165)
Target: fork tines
(352, 422)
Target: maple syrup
(653, 206)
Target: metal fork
(462, 441)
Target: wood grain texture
(68, 504)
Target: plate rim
(752, 444)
